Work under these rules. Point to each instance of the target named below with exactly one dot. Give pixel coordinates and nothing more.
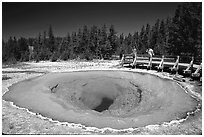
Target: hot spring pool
(115, 99)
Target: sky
(29, 19)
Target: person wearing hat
(150, 52)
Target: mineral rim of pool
(115, 99)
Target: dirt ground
(19, 121)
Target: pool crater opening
(100, 94)
(97, 103)
(104, 105)
(116, 99)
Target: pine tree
(112, 39)
(154, 37)
(78, 44)
(121, 48)
(65, 47)
(128, 43)
(104, 45)
(99, 48)
(51, 40)
(16, 52)
(104, 36)
(93, 40)
(161, 39)
(85, 44)
(11, 50)
(136, 40)
(167, 33)
(44, 44)
(73, 48)
(191, 24)
(185, 31)
(23, 49)
(37, 48)
(142, 47)
(5, 51)
(146, 37)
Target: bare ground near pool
(17, 121)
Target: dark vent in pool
(105, 104)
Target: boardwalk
(166, 64)
(171, 64)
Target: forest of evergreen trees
(177, 35)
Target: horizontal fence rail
(173, 63)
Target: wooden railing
(172, 62)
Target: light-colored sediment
(38, 125)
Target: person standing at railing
(134, 51)
(135, 54)
(150, 53)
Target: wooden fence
(174, 64)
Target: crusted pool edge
(163, 75)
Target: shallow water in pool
(116, 99)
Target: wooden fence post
(177, 65)
(123, 60)
(162, 63)
(191, 68)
